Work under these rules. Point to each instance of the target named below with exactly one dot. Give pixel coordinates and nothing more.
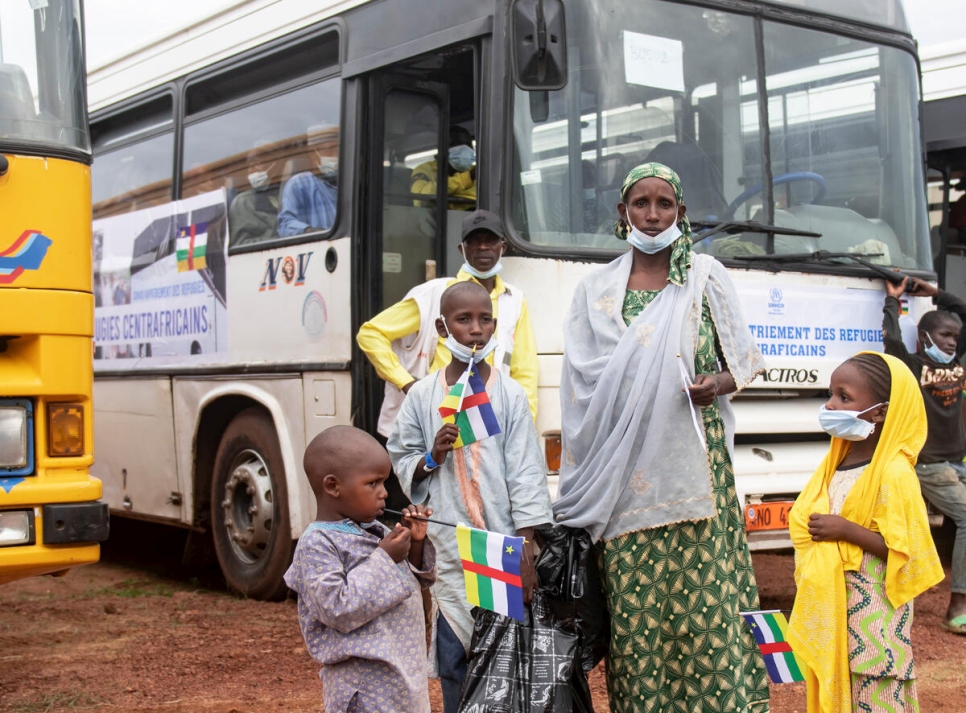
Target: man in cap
(401, 341)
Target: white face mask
(846, 424)
(463, 353)
(482, 275)
(258, 179)
(646, 244)
(328, 167)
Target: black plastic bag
(524, 667)
(571, 585)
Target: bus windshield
(43, 107)
(829, 146)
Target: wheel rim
(248, 506)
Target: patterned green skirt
(880, 644)
(674, 594)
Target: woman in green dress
(654, 343)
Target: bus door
(408, 215)
(413, 213)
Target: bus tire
(249, 507)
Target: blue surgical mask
(462, 158)
(646, 244)
(846, 424)
(463, 353)
(479, 275)
(937, 354)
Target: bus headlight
(16, 527)
(65, 429)
(13, 437)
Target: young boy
(941, 471)
(498, 483)
(358, 582)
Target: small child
(358, 582)
(863, 549)
(497, 484)
(941, 471)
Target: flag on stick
(769, 628)
(191, 245)
(491, 570)
(468, 406)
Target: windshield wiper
(746, 226)
(829, 257)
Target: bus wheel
(249, 507)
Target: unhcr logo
(776, 302)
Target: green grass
(133, 589)
(59, 701)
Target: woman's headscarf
(886, 498)
(680, 248)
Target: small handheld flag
(468, 406)
(769, 628)
(491, 570)
(191, 246)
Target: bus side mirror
(539, 44)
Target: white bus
(227, 302)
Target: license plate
(767, 516)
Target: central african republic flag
(491, 570)
(191, 246)
(769, 628)
(468, 406)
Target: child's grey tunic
(362, 617)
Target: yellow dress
(886, 499)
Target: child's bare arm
(833, 528)
(442, 444)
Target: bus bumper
(64, 535)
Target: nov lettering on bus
(274, 264)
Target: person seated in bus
(253, 213)
(401, 341)
(309, 200)
(358, 582)
(461, 169)
(940, 467)
(497, 482)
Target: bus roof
(243, 25)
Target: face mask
(646, 244)
(462, 158)
(258, 179)
(482, 275)
(846, 424)
(328, 167)
(937, 354)
(463, 353)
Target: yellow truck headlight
(16, 527)
(65, 429)
(14, 436)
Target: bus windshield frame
(43, 93)
(832, 147)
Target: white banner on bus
(159, 282)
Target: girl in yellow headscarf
(862, 545)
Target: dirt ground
(138, 632)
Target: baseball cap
(482, 220)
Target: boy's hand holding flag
(468, 406)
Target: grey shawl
(632, 459)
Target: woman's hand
(828, 528)
(704, 390)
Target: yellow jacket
(886, 499)
(376, 336)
